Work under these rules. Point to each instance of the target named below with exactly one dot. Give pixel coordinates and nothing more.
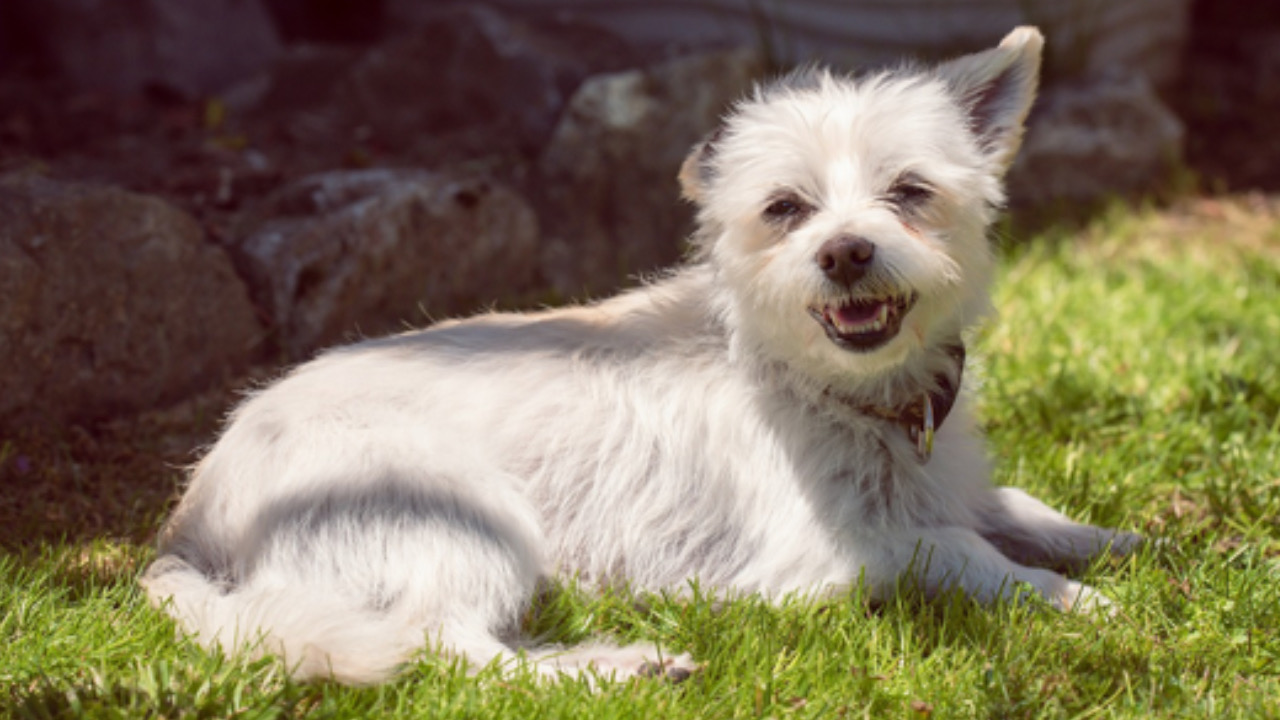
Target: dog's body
(754, 421)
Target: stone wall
(170, 215)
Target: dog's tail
(321, 637)
(318, 634)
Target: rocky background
(192, 189)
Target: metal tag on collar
(924, 434)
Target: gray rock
(468, 69)
(110, 302)
(368, 251)
(610, 195)
(193, 47)
(1086, 141)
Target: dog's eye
(786, 209)
(909, 193)
(782, 208)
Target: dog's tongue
(857, 313)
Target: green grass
(1131, 380)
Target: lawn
(1132, 379)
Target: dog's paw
(1125, 543)
(610, 662)
(675, 668)
(1080, 598)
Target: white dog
(780, 414)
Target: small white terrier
(780, 414)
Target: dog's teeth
(877, 322)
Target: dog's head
(847, 218)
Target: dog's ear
(696, 171)
(996, 88)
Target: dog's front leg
(1033, 533)
(944, 558)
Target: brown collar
(923, 416)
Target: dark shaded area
(1229, 95)
(349, 22)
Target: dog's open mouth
(864, 323)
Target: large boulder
(110, 302)
(192, 47)
(368, 251)
(608, 176)
(1109, 135)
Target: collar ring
(924, 432)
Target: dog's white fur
(414, 490)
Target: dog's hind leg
(351, 573)
(1030, 532)
(351, 580)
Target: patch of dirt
(116, 479)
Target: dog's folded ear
(696, 171)
(996, 88)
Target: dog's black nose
(845, 259)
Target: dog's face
(848, 218)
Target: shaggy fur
(731, 422)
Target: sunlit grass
(1131, 380)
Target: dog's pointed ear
(696, 172)
(996, 88)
